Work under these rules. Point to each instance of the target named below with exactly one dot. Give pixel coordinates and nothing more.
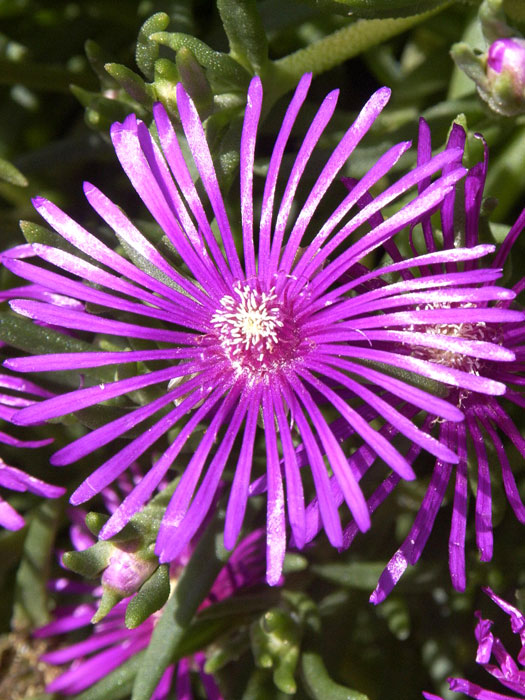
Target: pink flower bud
(127, 571)
(507, 57)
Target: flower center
(468, 331)
(255, 332)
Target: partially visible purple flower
(503, 668)
(111, 643)
(15, 394)
(485, 416)
(275, 337)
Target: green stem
(345, 43)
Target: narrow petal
(111, 469)
(327, 506)
(72, 232)
(181, 174)
(275, 513)
(199, 148)
(181, 499)
(337, 159)
(311, 138)
(458, 526)
(180, 522)
(146, 486)
(351, 490)
(294, 487)
(421, 204)
(75, 400)
(58, 362)
(146, 168)
(273, 173)
(441, 373)
(509, 481)
(105, 434)
(241, 481)
(376, 172)
(484, 537)
(404, 425)
(382, 447)
(69, 318)
(248, 137)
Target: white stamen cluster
(248, 322)
(451, 358)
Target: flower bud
(127, 570)
(506, 75)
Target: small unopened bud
(127, 570)
(506, 75)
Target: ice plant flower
(271, 338)
(486, 417)
(110, 643)
(503, 668)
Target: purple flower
(485, 416)
(111, 643)
(281, 334)
(504, 668)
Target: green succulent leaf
(9, 173)
(225, 73)
(102, 111)
(21, 333)
(31, 598)
(89, 562)
(132, 83)
(359, 575)
(246, 36)
(195, 82)
(107, 602)
(149, 268)
(378, 9)
(35, 233)
(147, 50)
(317, 681)
(334, 48)
(151, 597)
(98, 58)
(276, 641)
